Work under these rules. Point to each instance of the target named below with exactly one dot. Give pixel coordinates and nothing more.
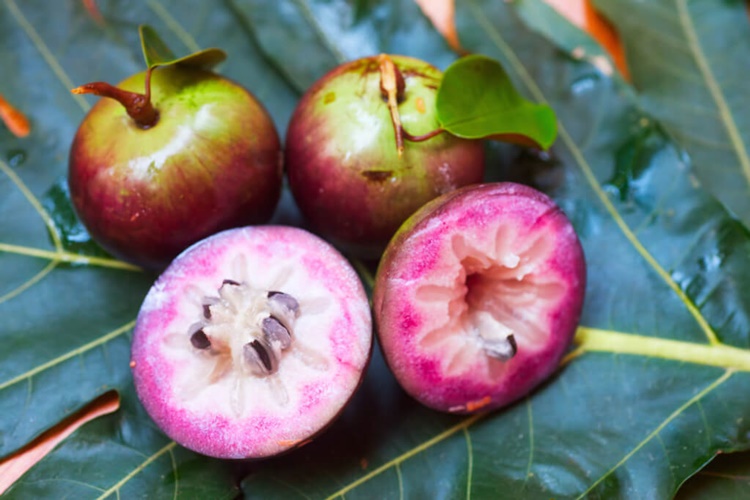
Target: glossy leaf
(125, 456)
(653, 387)
(477, 100)
(689, 61)
(643, 402)
(307, 39)
(69, 306)
(156, 52)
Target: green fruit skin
(343, 165)
(212, 161)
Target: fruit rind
(170, 374)
(422, 287)
(211, 162)
(342, 160)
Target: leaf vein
(706, 390)
(116, 487)
(530, 415)
(686, 136)
(174, 26)
(176, 474)
(706, 426)
(47, 55)
(307, 14)
(75, 352)
(588, 173)
(29, 283)
(400, 482)
(661, 35)
(67, 257)
(470, 463)
(713, 87)
(718, 355)
(407, 455)
(34, 201)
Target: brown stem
(138, 106)
(392, 87)
(423, 137)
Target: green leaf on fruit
(477, 100)
(157, 53)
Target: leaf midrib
(696, 398)
(607, 341)
(407, 455)
(588, 173)
(116, 487)
(596, 340)
(46, 54)
(174, 25)
(727, 118)
(67, 257)
(70, 354)
(589, 340)
(304, 8)
(59, 254)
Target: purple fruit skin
(342, 162)
(212, 161)
(419, 249)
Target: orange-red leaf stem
(16, 121)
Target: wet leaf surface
(688, 61)
(653, 388)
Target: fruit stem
(392, 88)
(138, 106)
(423, 137)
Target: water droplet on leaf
(16, 157)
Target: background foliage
(630, 413)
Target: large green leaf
(689, 61)
(69, 308)
(307, 38)
(125, 456)
(654, 387)
(630, 414)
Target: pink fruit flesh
(342, 160)
(478, 296)
(212, 360)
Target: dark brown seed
(207, 311)
(512, 341)
(230, 282)
(200, 340)
(262, 354)
(503, 350)
(286, 300)
(276, 332)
